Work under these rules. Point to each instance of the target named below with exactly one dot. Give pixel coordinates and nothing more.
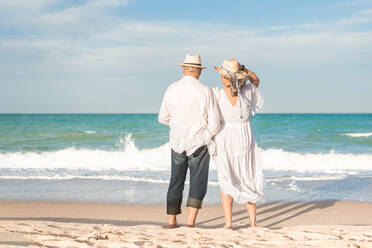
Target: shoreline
(86, 224)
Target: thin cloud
(362, 17)
(28, 5)
(359, 2)
(84, 43)
(54, 17)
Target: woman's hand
(252, 77)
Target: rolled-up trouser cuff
(172, 210)
(195, 203)
(174, 207)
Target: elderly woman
(239, 172)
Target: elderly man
(190, 110)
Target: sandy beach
(281, 224)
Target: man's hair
(192, 69)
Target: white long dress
(236, 156)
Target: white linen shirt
(190, 109)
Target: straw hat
(193, 61)
(230, 67)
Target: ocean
(125, 158)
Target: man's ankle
(191, 216)
(172, 219)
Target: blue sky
(119, 56)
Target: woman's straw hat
(231, 67)
(193, 61)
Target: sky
(119, 56)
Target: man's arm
(214, 116)
(164, 115)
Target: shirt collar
(190, 77)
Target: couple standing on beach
(213, 122)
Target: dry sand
(282, 224)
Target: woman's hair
(233, 88)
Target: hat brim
(239, 74)
(195, 66)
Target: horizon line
(40, 113)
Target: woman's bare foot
(251, 208)
(227, 203)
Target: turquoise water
(126, 157)
(314, 133)
(50, 132)
(303, 133)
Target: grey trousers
(198, 163)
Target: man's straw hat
(230, 67)
(193, 61)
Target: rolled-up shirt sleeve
(254, 98)
(164, 115)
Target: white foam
(90, 132)
(305, 178)
(293, 187)
(277, 159)
(102, 177)
(132, 158)
(358, 135)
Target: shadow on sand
(271, 215)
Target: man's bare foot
(191, 216)
(227, 227)
(253, 225)
(172, 225)
(172, 221)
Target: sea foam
(158, 159)
(357, 135)
(277, 159)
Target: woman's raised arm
(253, 78)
